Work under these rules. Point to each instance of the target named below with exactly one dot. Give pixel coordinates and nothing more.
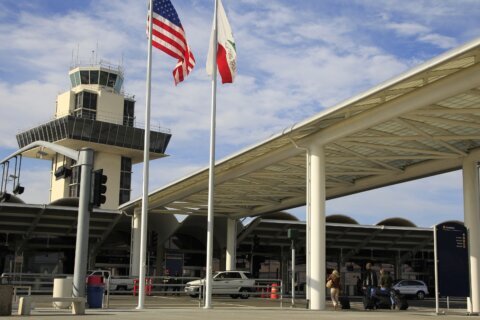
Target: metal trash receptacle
(6, 295)
(95, 291)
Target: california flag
(226, 53)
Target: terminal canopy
(422, 123)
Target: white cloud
(423, 34)
(439, 40)
(408, 28)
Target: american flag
(168, 35)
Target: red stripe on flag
(172, 31)
(169, 37)
(171, 42)
(223, 66)
(166, 50)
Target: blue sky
(295, 58)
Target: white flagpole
(146, 160)
(211, 175)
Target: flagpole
(146, 161)
(211, 174)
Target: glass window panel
(103, 135)
(77, 78)
(124, 196)
(126, 164)
(128, 113)
(118, 84)
(90, 100)
(94, 101)
(79, 100)
(94, 77)
(72, 80)
(103, 78)
(85, 77)
(112, 78)
(120, 136)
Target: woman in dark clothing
(370, 281)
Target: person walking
(386, 283)
(333, 282)
(385, 280)
(370, 281)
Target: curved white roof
(421, 123)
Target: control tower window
(103, 78)
(125, 180)
(72, 80)
(86, 105)
(74, 186)
(85, 77)
(128, 112)
(112, 78)
(118, 84)
(86, 100)
(93, 76)
(75, 79)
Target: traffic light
(18, 189)
(99, 188)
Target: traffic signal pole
(85, 161)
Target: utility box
(6, 295)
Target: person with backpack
(333, 282)
(386, 283)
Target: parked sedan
(411, 288)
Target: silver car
(416, 288)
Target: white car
(416, 288)
(234, 283)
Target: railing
(70, 127)
(39, 283)
(107, 117)
(268, 289)
(93, 63)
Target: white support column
(472, 223)
(317, 228)
(231, 260)
(135, 246)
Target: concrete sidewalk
(235, 314)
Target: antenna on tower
(78, 49)
(96, 54)
(72, 62)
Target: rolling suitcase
(401, 302)
(368, 303)
(344, 302)
(383, 302)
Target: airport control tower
(95, 113)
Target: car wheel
(234, 296)
(243, 293)
(420, 295)
(193, 295)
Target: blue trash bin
(95, 296)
